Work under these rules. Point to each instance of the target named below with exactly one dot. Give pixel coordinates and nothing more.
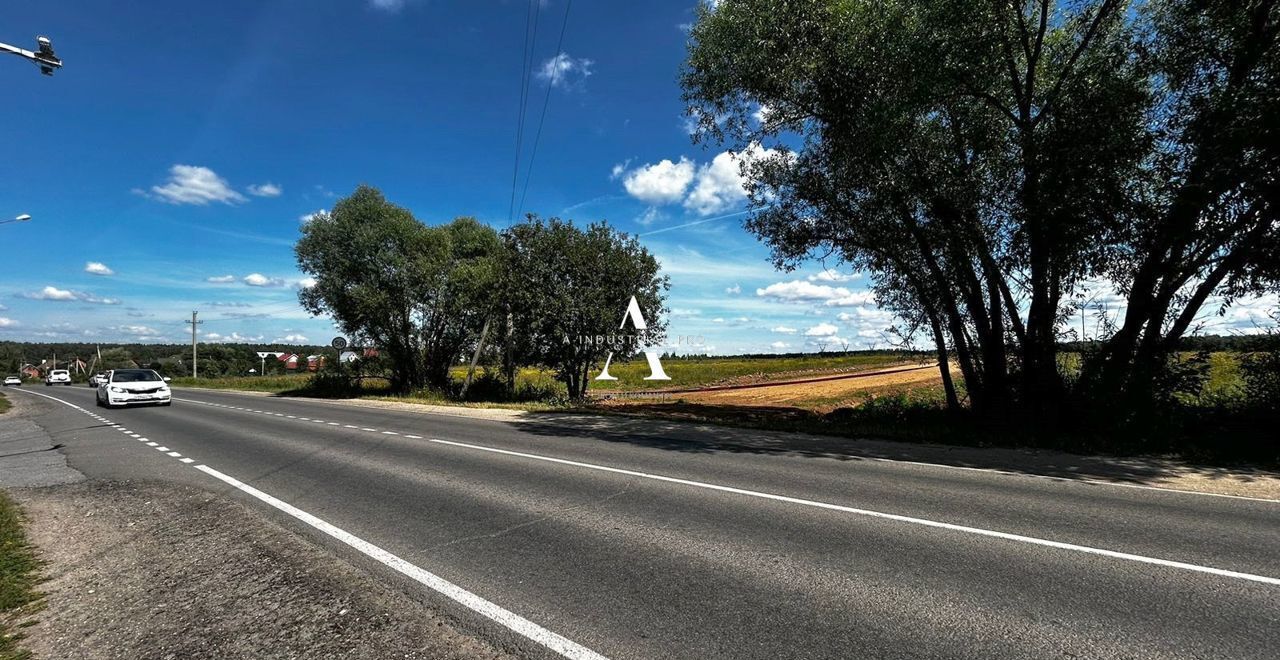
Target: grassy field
(684, 373)
(4, 405)
(19, 576)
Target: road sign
(339, 343)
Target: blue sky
(169, 165)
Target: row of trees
(430, 296)
(170, 359)
(989, 161)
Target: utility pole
(195, 372)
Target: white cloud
(762, 113)
(192, 184)
(800, 291)
(830, 275)
(221, 279)
(291, 339)
(784, 330)
(137, 330)
(823, 329)
(304, 219)
(720, 185)
(258, 279)
(387, 5)
(779, 345)
(234, 337)
(829, 341)
(663, 182)
(619, 169)
(733, 290)
(564, 71)
(8, 323)
(265, 189)
(865, 315)
(64, 295)
(98, 268)
(650, 216)
(305, 283)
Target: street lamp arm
(45, 59)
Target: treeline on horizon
(216, 360)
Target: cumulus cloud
(733, 290)
(6, 322)
(720, 185)
(139, 331)
(234, 337)
(801, 291)
(258, 279)
(305, 283)
(221, 279)
(98, 268)
(291, 339)
(779, 345)
(308, 217)
(785, 330)
(564, 71)
(663, 182)
(829, 275)
(192, 184)
(823, 329)
(66, 295)
(265, 189)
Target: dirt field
(817, 395)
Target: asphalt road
(653, 545)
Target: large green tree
(418, 293)
(567, 286)
(983, 160)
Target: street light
(43, 56)
(22, 218)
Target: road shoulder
(143, 569)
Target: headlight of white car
(113, 388)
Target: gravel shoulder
(156, 570)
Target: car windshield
(132, 376)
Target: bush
(1261, 374)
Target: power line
(555, 71)
(526, 69)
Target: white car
(127, 386)
(97, 379)
(58, 377)
(13, 380)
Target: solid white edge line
(489, 610)
(879, 514)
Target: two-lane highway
(597, 541)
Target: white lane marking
(162, 449)
(332, 423)
(415, 437)
(350, 426)
(943, 466)
(291, 416)
(186, 460)
(881, 515)
(136, 435)
(368, 429)
(153, 444)
(390, 433)
(175, 454)
(490, 610)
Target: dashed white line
(187, 460)
(175, 454)
(153, 444)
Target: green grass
(4, 405)
(19, 576)
(684, 372)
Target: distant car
(123, 387)
(97, 379)
(13, 380)
(58, 377)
